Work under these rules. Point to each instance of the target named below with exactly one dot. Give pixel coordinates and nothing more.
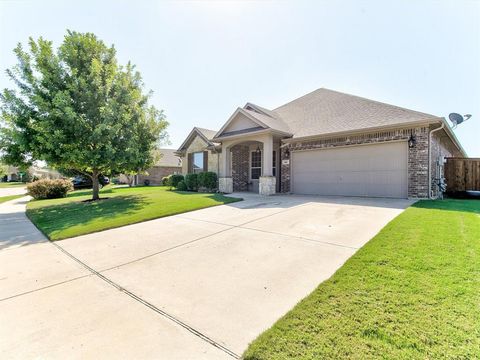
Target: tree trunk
(96, 186)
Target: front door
(255, 170)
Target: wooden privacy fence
(462, 174)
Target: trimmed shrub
(49, 189)
(207, 180)
(165, 180)
(191, 182)
(174, 180)
(146, 182)
(182, 186)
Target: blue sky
(202, 59)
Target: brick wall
(418, 165)
(441, 147)
(240, 164)
(417, 156)
(156, 173)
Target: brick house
(325, 143)
(168, 163)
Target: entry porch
(252, 164)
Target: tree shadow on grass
(88, 192)
(214, 196)
(472, 206)
(62, 216)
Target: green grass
(412, 292)
(9, 197)
(68, 217)
(11, 184)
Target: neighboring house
(325, 143)
(168, 163)
(44, 173)
(14, 174)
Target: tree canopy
(77, 108)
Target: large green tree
(77, 108)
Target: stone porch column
(225, 181)
(267, 182)
(267, 156)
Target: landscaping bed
(72, 216)
(412, 292)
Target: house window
(255, 165)
(274, 163)
(198, 162)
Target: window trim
(197, 171)
(255, 167)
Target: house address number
(285, 161)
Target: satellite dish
(457, 119)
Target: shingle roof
(259, 108)
(272, 122)
(207, 133)
(326, 111)
(168, 158)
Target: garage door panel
(367, 170)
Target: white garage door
(366, 170)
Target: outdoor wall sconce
(287, 153)
(258, 149)
(412, 141)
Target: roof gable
(203, 134)
(241, 120)
(251, 118)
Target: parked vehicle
(84, 182)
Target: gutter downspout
(430, 160)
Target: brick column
(418, 165)
(240, 162)
(285, 169)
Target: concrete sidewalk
(16, 228)
(13, 191)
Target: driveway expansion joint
(45, 287)
(230, 227)
(164, 250)
(302, 238)
(242, 226)
(149, 305)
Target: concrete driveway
(197, 285)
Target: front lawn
(9, 197)
(412, 292)
(12, 184)
(68, 217)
